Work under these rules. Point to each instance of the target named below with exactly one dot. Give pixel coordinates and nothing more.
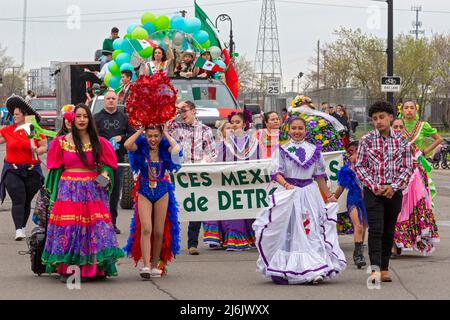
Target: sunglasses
(398, 127)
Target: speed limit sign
(273, 86)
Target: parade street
(220, 275)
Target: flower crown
(301, 100)
(248, 120)
(68, 112)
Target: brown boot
(385, 276)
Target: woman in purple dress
(234, 235)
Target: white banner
(234, 190)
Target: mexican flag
(139, 45)
(207, 65)
(204, 93)
(208, 26)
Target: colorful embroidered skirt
(416, 227)
(233, 235)
(80, 231)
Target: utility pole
(183, 13)
(300, 75)
(416, 24)
(292, 85)
(318, 65)
(24, 31)
(390, 47)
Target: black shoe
(116, 230)
(358, 256)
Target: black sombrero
(16, 101)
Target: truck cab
(212, 98)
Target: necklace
(153, 174)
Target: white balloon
(178, 39)
(215, 52)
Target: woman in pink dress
(80, 231)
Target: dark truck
(215, 102)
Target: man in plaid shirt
(384, 166)
(198, 145)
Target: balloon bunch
(151, 101)
(185, 33)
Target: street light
(300, 75)
(225, 17)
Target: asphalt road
(216, 274)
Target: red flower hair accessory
(68, 112)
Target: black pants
(115, 194)
(382, 216)
(21, 190)
(193, 231)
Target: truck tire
(126, 200)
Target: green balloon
(162, 23)
(127, 36)
(206, 44)
(139, 33)
(148, 17)
(107, 77)
(114, 69)
(116, 53)
(146, 53)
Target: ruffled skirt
(232, 235)
(297, 239)
(416, 227)
(80, 230)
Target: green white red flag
(207, 65)
(139, 45)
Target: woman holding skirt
(296, 236)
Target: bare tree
(12, 79)
(246, 74)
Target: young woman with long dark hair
(80, 231)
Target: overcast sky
(300, 25)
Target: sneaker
(193, 251)
(145, 273)
(20, 235)
(116, 230)
(156, 273)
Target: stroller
(441, 156)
